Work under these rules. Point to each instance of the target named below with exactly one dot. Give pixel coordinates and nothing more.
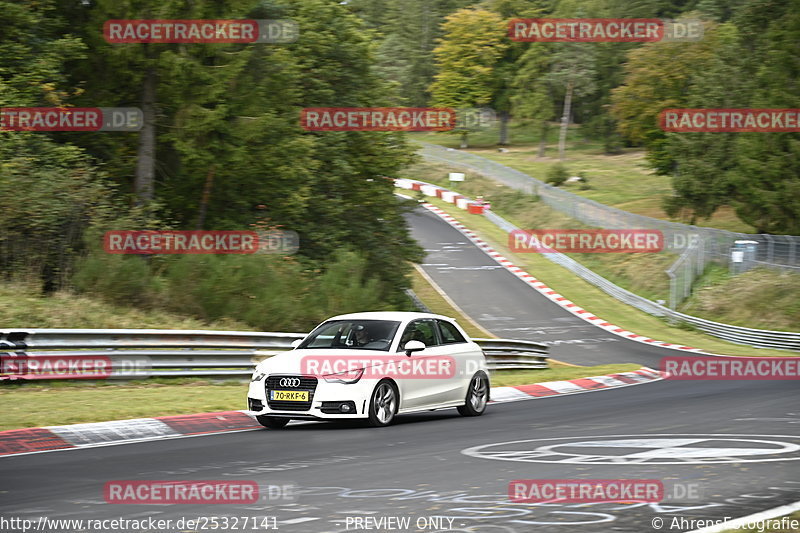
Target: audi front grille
(291, 383)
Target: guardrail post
(770, 248)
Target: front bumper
(324, 397)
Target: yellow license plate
(289, 395)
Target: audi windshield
(352, 334)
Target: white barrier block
(448, 196)
(462, 203)
(402, 183)
(428, 190)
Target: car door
(427, 390)
(467, 355)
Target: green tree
(406, 31)
(474, 40)
(766, 180)
(534, 94)
(222, 147)
(657, 77)
(503, 100)
(49, 192)
(699, 163)
(573, 70)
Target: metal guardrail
(27, 354)
(760, 338)
(507, 354)
(419, 304)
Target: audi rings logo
(290, 382)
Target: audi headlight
(258, 375)
(347, 377)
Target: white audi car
(372, 366)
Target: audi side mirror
(296, 343)
(413, 346)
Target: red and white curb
(575, 386)
(95, 434)
(52, 438)
(449, 196)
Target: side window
(450, 335)
(420, 330)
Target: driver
(366, 338)
(363, 336)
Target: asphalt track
(733, 446)
(505, 306)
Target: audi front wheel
(383, 405)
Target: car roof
(389, 315)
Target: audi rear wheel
(477, 396)
(272, 422)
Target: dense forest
(222, 147)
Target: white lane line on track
(749, 519)
(298, 520)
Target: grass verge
(768, 299)
(34, 405)
(23, 306)
(506, 378)
(622, 179)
